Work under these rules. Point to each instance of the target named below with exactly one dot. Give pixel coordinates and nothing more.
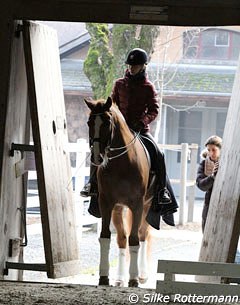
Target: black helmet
(136, 56)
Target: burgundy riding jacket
(136, 98)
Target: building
(193, 70)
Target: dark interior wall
(174, 12)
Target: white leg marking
(133, 268)
(104, 256)
(142, 262)
(121, 264)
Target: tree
(98, 64)
(106, 55)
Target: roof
(74, 79)
(66, 31)
(194, 79)
(71, 35)
(179, 79)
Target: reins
(112, 149)
(126, 147)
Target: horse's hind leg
(104, 241)
(117, 218)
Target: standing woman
(207, 171)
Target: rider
(136, 98)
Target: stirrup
(85, 192)
(164, 196)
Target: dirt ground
(12, 293)
(56, 294)
(180, 242)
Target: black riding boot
(91, 187)
(162, 195)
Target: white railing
(82, 170)
(188, 152)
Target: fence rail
(188, 152)
(82, 170)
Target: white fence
(188, 152)
(81, 171)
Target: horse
(123, 175)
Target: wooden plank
(222, 228)
(199, 268)
(16, 125)
(180, 12)
(50, 137)
(7, 28)
(65, 268)
(202, 289)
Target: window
(209, 48)
(190, 129)
(211, 44)
(221, 39)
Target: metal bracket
(21, 148)
(25, 266)
(19, 29)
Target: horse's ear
(89, 104)
(108, 104)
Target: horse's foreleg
(142, 262)
(104, 261)
(143, 253)
(134, 247)
(117, 219)
(104, 241)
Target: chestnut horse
(123, 173)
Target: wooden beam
(6, 33)
(178, 12)
(15, 125)
(222, 228)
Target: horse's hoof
(103, 280)
(133, 283)
(119, 283)
(143, 280)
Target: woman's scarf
(139, 76)
(209, 166)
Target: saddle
(150, 150)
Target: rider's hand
(138, 126)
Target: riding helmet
(136, 56)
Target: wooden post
(5, 58)
(192, 177)
(16, 126)
(183, 182)
(222, 228)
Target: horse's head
(100, 129)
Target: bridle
(108, 149)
